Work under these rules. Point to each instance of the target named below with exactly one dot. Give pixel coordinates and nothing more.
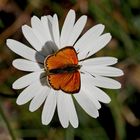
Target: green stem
(7, 123)
(115, 107)
(69, 133)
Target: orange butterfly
(62, 70)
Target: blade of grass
(7, 123)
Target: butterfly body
(66, 69)
(63, 70)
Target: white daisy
(45, 38)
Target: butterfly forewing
(61, 58)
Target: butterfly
(63, 70)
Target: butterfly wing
(65, 56)
(74, 83)
(67, 82)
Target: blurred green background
(119, 120)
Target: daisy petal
(106, 83)
(91, 96)
(71, 111)
(95, 92)
(94, 46)
(26, 65)
(77, 29)
(86, 88)
(86, 104)
(50, 18)
(92, 34)
(49, 108)
(104, 61)
(46, 20)
(31, 37)
(38, 100)
(101, 95)
(31, 91)
(55, 29)
(103, 71)
(102, 42)
(62, 109)
(103, 82)
(27, 80)
(39, 30)
(67, 28)
(24, 51)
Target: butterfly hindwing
(73, 85)
(67, 82)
